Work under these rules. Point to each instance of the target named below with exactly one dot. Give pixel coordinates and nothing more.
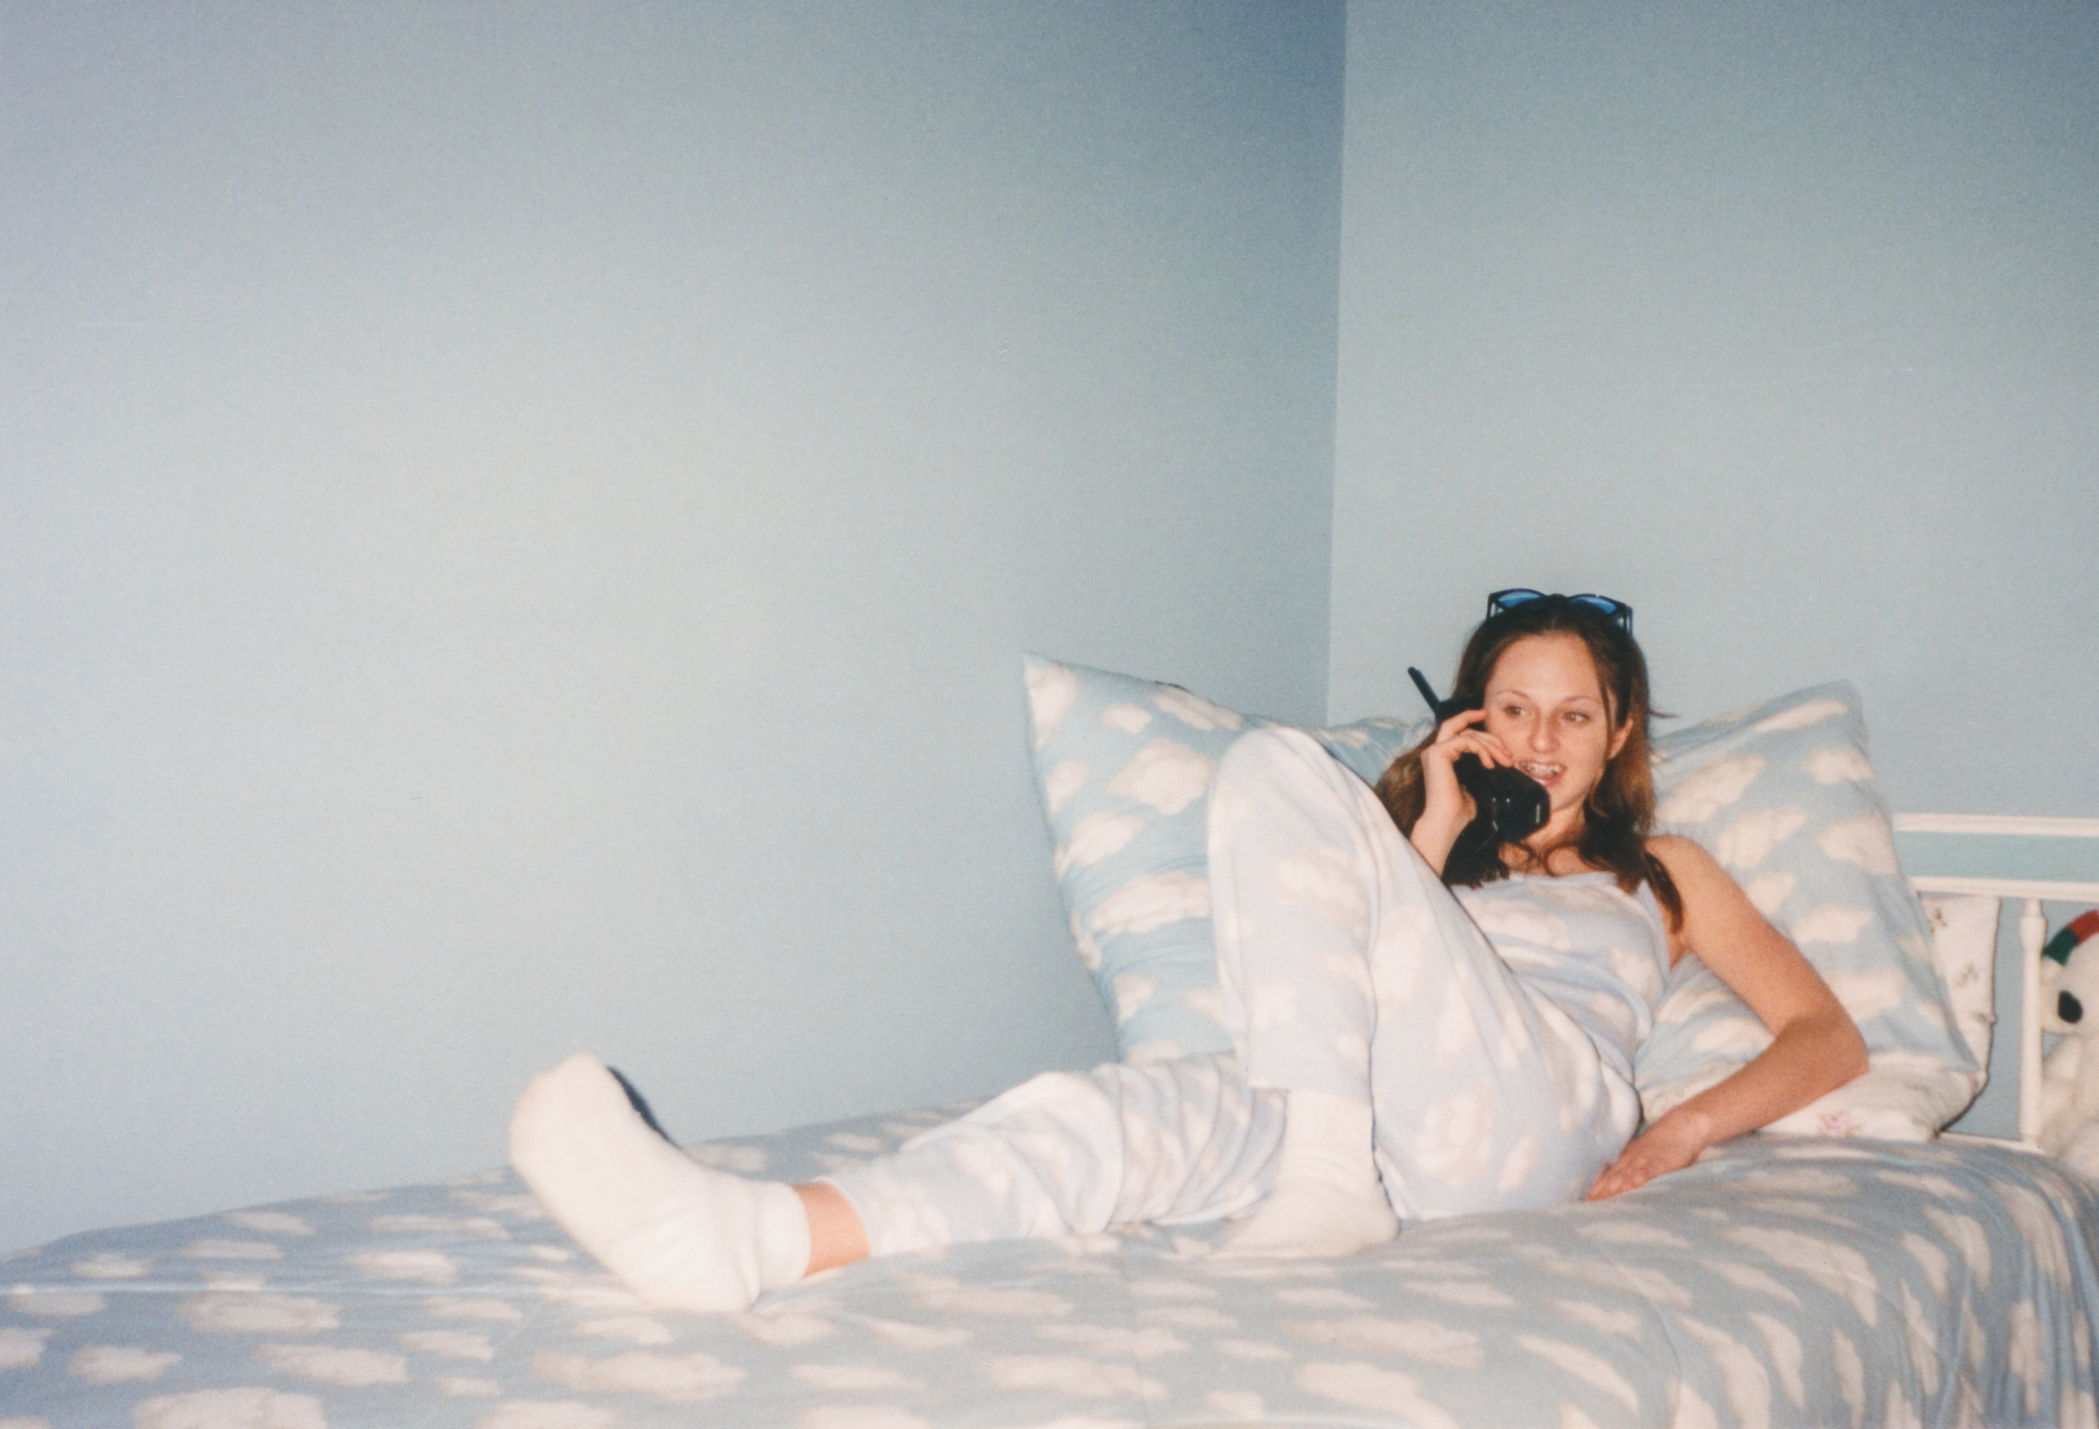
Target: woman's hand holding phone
(1449, 808)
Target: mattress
(1778, 1281)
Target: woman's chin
(1565, 819)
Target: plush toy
(2070, 1009)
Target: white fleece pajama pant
(1348, 969)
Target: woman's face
(1546, 704)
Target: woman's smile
(1545, 703)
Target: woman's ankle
(836, 1235)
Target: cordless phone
(1512, 806)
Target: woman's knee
(1271, 752)
(1275, 769)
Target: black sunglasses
(1503, 601)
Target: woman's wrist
(1436, 833)
(1441, 824)
(1688, 1126)
(1434, 847)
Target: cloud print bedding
(1780, 1281)
(1835, 1279)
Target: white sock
(1327, 1199)
(679, 1234)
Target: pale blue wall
(1779, 321)
(520, 524)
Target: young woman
(1429, 1022)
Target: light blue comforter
(1778, 1282)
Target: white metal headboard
(2008, 857)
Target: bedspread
(1779, 1281)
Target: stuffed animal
(2070, 1080)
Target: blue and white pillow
(1784, 796)
(1125, 766)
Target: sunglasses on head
(1502, 601)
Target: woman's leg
(1356, 980)
(1066, 1153)
(1173, 1142)
(1294, 885)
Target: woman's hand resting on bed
(1815, 1046)
(1669, 1145)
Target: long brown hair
(1618, 815)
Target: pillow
(1783, 795)
(1964, 944)
(1124, 767)
(1893, 1102)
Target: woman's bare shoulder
(1690, 866)
(1673, 849)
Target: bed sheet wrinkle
(1777, 1282)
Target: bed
(1854, 1269)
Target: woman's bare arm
(1815, 1047)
